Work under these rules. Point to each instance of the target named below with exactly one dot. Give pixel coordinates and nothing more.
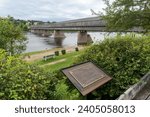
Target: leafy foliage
(19, 80)
(125, 58)
(57, 53)
(63, 92)
(76, 49)
(63, 52)
(126, 14)
(12, 38)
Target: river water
(38, 43)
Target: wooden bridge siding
(85, 22)
(75, 29)
(88, 24)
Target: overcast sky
(49, 10)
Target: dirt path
(52, 63)
(39, 56)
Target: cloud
(49, 10)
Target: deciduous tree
(12, 38)
(126, 14)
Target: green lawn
(69, 59)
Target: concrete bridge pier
(35, 31)
(32, 31)
(58, 41)
(59, 34)
(46, 33)
(84, 38)
(38, 32)
(59, 37)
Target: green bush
(62, 92)
(76, 49)
(19, 80)
(23, 81)
(63, 52)
(125, 58)
(57, 53)
(63, 89)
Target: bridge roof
(83, 19)
(91, 23)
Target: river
(38, 43)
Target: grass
(69, 59)
(66, 56)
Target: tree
(12, 37)
(127, 14)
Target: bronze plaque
(86, 77)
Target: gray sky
(49, 10)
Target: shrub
(63, 52)
(19, 80)
(57, 53)
(76, 49)
(63, 88)
(62, 92)
(125, 58)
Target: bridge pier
(35, 31)
(58, 41)
(40, 32)
(44, 33)
(84, 38)
(59, 34)
(59, 37)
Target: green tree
(126, 14)
(12, 37)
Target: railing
(135, 89)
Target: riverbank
(35, 56)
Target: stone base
(84, 38)
(59, 34)
(44, 33)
